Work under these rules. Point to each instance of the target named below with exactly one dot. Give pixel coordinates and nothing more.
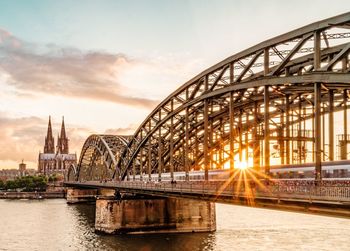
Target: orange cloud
(129, 130)
(23, 138)
(66, 71)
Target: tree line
(27, 183)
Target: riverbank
(32, 195)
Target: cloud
(19, 136)
(30, 71)
(69, 72)
(129, 130)
(23, 138)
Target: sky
(104, 65)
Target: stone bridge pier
(77, 195)
(128, 213)
(140, 214)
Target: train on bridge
(335, 170)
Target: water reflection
(85, 215)
(54, 225)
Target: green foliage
(2, 184)
(27, 183)
(53, 178)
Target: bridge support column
(105, 192)
(318, 150)
(75, 195)
(266, 130)
(154, 214)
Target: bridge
(235, 131)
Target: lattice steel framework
(71, 174)
(276, 98)
(98, 158)
(274, 103)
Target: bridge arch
(99, 157)
(71, 174)
(272, 98)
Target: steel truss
(99, 157)
(274, 102)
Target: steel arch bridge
(282, 101)
(99, 157)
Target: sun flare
(241, 165)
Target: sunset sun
(242, 165)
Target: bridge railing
(314, 191)
(334, 193)
(232, 190)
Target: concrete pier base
(106, 192)
(147, 215)
(75, 195)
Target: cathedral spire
(63, 129)
(49, 129)
(63, 140)
(49, 140)
(58, 146)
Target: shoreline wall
(32, 195)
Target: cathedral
(55, 161)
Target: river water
(54, 225)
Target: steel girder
(264, 94)
(71, 174)
(99, 157)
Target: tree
(10, 184)
(27, 183)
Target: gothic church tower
(49, 140)
(51, 162)
(62, 142)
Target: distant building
(55, 162)
(11, 174)
(22, 169)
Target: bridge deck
(219, 191)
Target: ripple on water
(54, 225)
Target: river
(54, 225)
